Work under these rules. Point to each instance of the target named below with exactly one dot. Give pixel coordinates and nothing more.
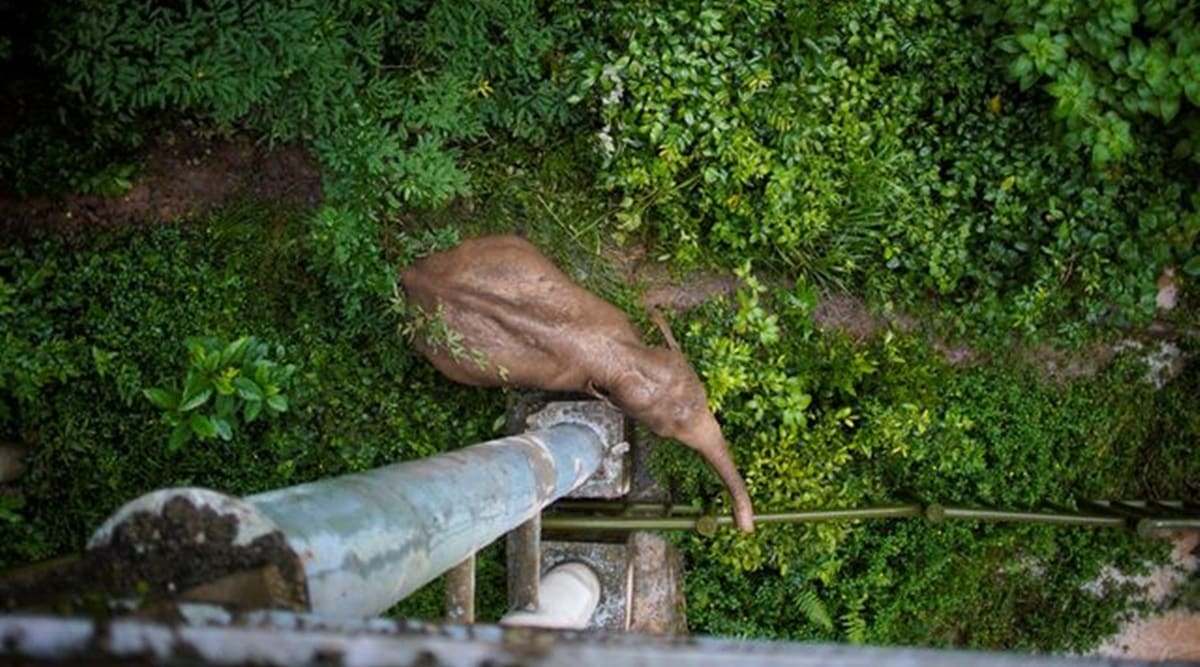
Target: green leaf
(1137, 52)
(211, 362)
(252, 410)
(278, 403)
(235, 350)
(814, 609)
(248, 389)
(195, 383)
(202, 426)
(1168, 107)
(196, 347)
(196, 401)
(262, 372)
(167, 399)
(225, 406)
(223, 428)
(1192, 268)
(179, 437)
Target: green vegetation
(243, 380)
(876, 145)
(1110, 66)
(1014, 173)
(818, 421)
(90, 323)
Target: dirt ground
(182, 174)
(1168, 635)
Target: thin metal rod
(943, 512)
(1156, 527)
(523, 552)
(625, 508)
(460, 592)
(601, 524)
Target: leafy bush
(84, 325)
(816, 421)
(874, 145)
(238, 377)
(1109, 66)
(755, 129)
(383, 96)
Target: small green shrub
(238, 377)
(384, 96)
(1109, 67)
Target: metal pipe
(703, 524)
(365, 541)
(1159, 527)
(523, 552)
(567, 598)
(938, 513)
(460, 592)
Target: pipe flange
(612, 480)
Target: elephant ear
(660, 321)
(651, 389)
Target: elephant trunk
(743, 512)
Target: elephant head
(662, 391)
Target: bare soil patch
(182, 175)
(1173, 634)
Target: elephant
(494, 311)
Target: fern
(810, 604)
(854, 626)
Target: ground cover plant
(94, 328)
(817, 420)
(1012, 174)
(882, 146)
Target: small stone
(1168, 292)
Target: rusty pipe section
(365, 541)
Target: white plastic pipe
(567, 598)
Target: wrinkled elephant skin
(495, 311)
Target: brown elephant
(495, 311)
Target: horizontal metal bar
(1156, 527)
(942, 512)
(630, 523)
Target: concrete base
(612, 479)
(641, 582)
(614, 568)
(657, 604)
